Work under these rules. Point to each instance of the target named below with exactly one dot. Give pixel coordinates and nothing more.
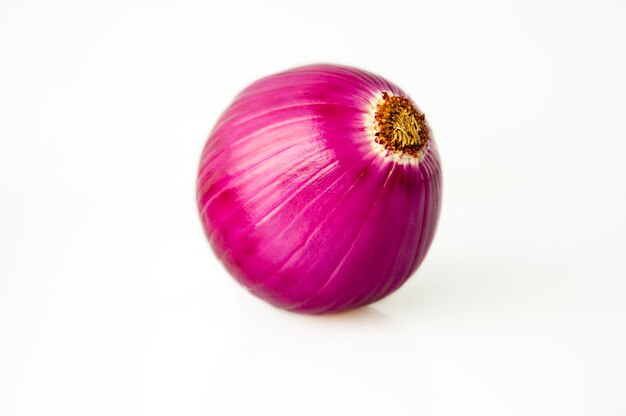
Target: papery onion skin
(301, 205)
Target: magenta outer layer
(300, 206)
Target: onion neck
(400, 128)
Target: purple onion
(319, 188)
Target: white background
(111, 302)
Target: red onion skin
(297, 204)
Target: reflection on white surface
(355, 362)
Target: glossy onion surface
(302, 205)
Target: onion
(319, 188)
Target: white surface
(111, 302)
